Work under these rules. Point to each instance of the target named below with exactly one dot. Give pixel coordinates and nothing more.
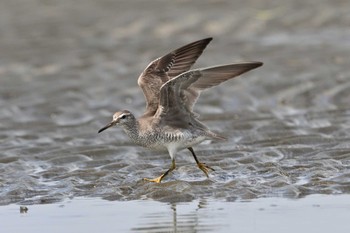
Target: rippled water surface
(65, 68)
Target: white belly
(177, 145)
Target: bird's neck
(132, 129)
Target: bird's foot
(205, 168)
(155, 180)
(159, 179)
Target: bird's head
(119, 119)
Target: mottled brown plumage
(165, 68)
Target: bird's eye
(123, 117)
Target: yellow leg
(160, 178)
(201, 166)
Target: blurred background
(66, 66)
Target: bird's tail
(216, 136)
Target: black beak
(107, 126)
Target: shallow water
(315, 213)
(66, 68)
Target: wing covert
(167, 67)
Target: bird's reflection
(181, 217)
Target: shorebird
(171, 89)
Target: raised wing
(180, 93)
(167, 67)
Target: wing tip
(253, 64)
(204, 41)
(208, 39)
(257, 63)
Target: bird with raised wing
(171, 89)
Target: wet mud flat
(65, 68)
